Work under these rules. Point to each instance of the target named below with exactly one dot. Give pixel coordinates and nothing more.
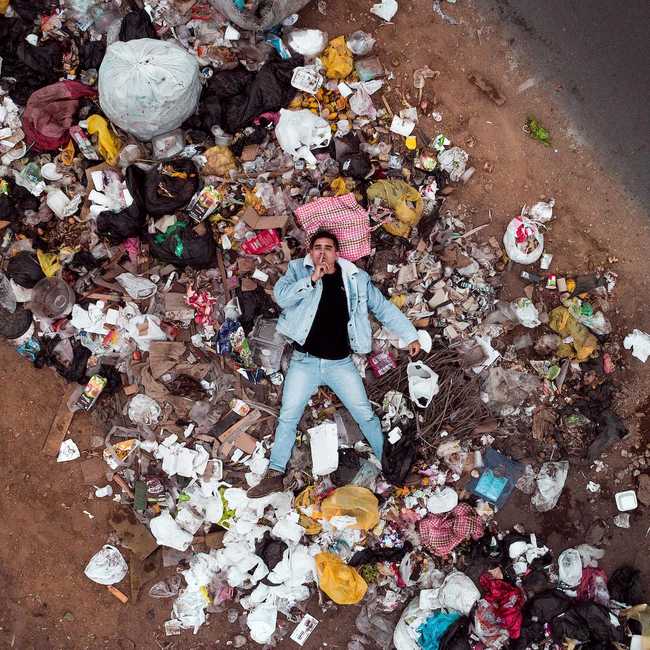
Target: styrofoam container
(626, 500)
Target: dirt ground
(52, 523)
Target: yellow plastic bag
(339, 581)
(404, 200)
(337, 59)
(50, 263)
(108, 144)
(220, 161)
(304, 500)
(353, 501)
(4, 4)
(564, 324)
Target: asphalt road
(599, 51)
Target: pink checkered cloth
(343, 217)
(441, 534)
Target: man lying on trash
(325, 302)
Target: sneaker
(273, 481)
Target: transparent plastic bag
(168, 588)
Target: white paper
(385, 9)
(401, 126)
(68, 451)
(304, 629)
(324, 443)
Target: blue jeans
(306, 373)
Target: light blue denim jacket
(299, 298)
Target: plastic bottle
(360, 43)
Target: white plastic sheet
(298, 132)
(107, 566)
(639, 343)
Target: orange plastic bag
(353, 501)
(339, 581)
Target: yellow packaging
(342, 583)
(353, 501)
(337, 59)
(108, 144)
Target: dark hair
(324, 234)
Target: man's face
(323, 251)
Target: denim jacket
(299, 298)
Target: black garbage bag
(32, 66)
(587, 622)
(113, 379)
(137, 24)
(254, 304)
(14, 324)
(29, 10)
(83, 262)
(356, 165)
(349, 465)
(119, 226)
(537, 611)
(181, 246)
(611, 429)
(399, 458)
(456, 635)
(270, 550)
(624, 586)
(91, 54)
(371, 555)
(165, 189)
(25, 270)
(232, 98)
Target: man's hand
(414, 348)
(321, 269)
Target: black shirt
(328, 337)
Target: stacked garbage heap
(160, 169)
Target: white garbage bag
(423, 383)
(148, 87)
(523, 241)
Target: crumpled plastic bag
(403, 199)
(337, 59)
(523, 241)
(353, 501)
(109, 144)
(50, 113)
(342, 583)
(220, 160)
(458, 592)
(584, 343)
(300, 131)
(423, 383)
(639, 343)
(107, 566)
(550, 481)
(308, 42)
(526, 312)
(258, 15)
(453, 161)
(148, 87)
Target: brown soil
(46, 538)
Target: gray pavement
(599, 51)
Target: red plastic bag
(264, 242)
(50, 112)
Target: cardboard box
(257, 222)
